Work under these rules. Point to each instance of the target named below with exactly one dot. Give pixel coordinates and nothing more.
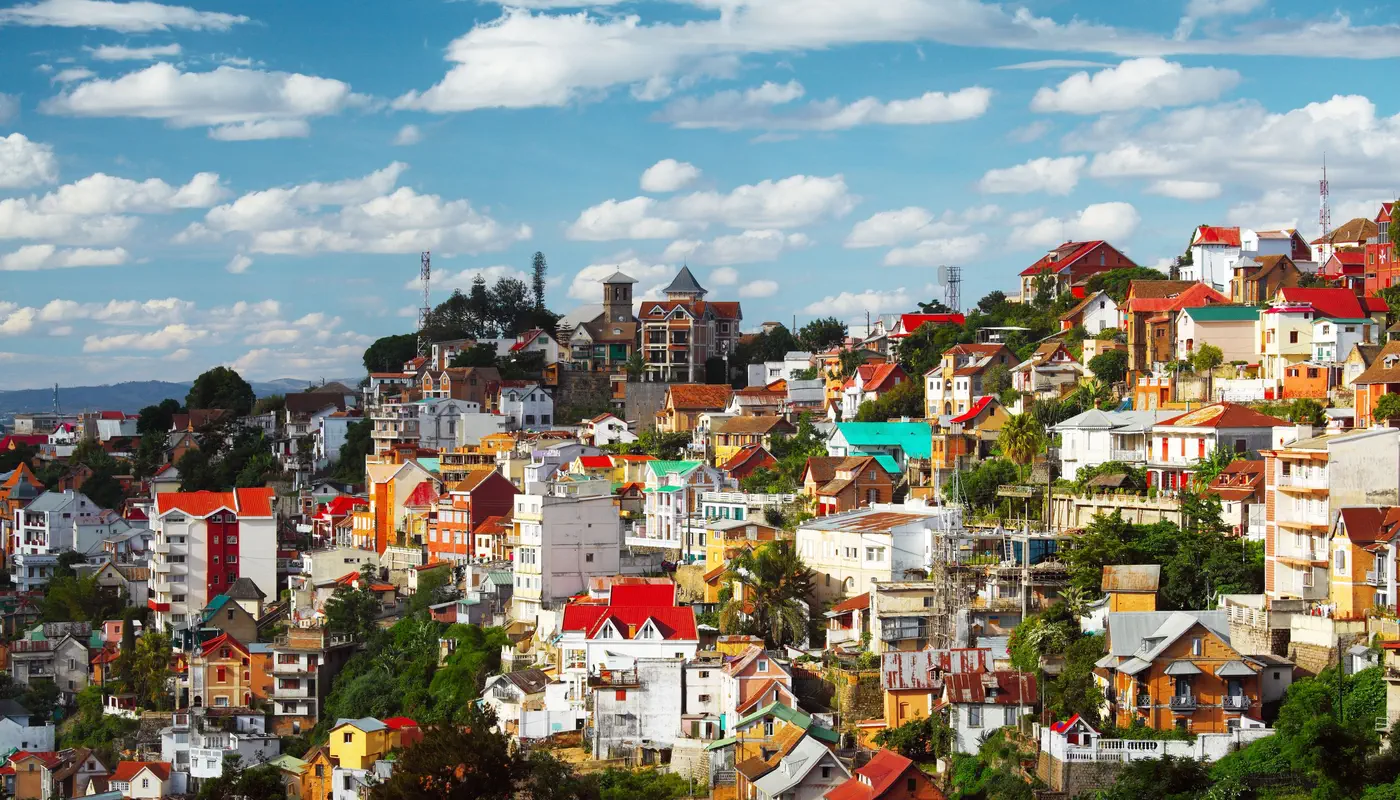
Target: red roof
(1333, 302)
(49, 757)
(423, 495)
(17, 439)
(1061, 257)
(126, 771)
(1224, 415)
(525, 339)
(1211, 234)
(399, 723)
(222, 640)
(977, 408)
(1194, 296)
(912, 322)
(874, 779)
(342, 506)
(858, 603)
(244, 502)
(741, 459)
(493, 525)
(595, 462)
(883, 377)
(1386, 210)
(642, 594)
(1013, 688)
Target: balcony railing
(1128, 455)
(1374, 577)
(1183, 702)
(1235, 702)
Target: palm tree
(1021, 438)
(774, 594)
(1076, 600)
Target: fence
(1207, 746)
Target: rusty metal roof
(1132, 577)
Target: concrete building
(637, 709)
(1180, 442)
(1096, 437)
(199, 739)
(979, 703)
(568, 532)
(53, 651)
(1229, 327)
(850, 552)
(50, 524)
(305, 662)
(19, 730)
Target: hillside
(129, 396)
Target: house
(1096, 313)
(1258, 278)
(1180, 442)
(1287, 327)
(357, 743)
(639, 621)
(636, 710)
(685, 402)
(21, 730)
(1379, 379)
(142, 779)
(56, 652)
(1213, 253)
(528, 403)
(1131, 587)
(888, 776)
(856, 482)
(1097, 437)
(567, 532)
(292, 770)
(536, 341)
(1240, 487)
(50, 524)
(848, 622)
(222, 675)
(1382, 272)
(849, 552)
(725, 538)
(747, 461)
(603, 338)
(1362, 555)
(761, 740)
(1358, 361)
(1345, 269)
(892, 443)
(1152, 310)
(466, 505)
(47, 774)
(1049, 372)
(1306, 379)
(1069, 264)
(1228, 327)
(1351, 235)
(479, 385)
(979, 703)
(869, 383)
(305, 662)
(1178, 669)
(511, 693)
(905, 325)
(607, 429)
(682, 332)
(737, 433)
(955, 384)
(807, 772)
(673, 490)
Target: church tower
(617, 297)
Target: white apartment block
(52, 523)
(568, 532)
(850, 552)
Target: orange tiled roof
(255, 502)
(699, 396)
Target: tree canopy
(221, 387)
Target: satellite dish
(942, 273)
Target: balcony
(1182, 703)
(1144, 700)
(163, 548)
(1138, 455)
(1375, 577)
(1236, 703)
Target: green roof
(288, 762)
(722, 743)
(791, 716)
(1224, 313)
(665, 489)
(663, 468)
(888, 462)
(430, 464)
(914, 438)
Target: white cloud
(1111, 221)
(624, 219)
(1137, 83)
(1050, 175)
(160, 311)
(72, 74)
(723, 276)
(239, 264)
(448, 281)
(1216, 8)
(104, 194)
(236, 103)
(169, 337)
(127, 17)
(15, 320)
(113, 52)
(1055, 63)
(755, 108)
(748, 247)
(1185, 190)
(650, 278)
(669, 175)
(20, 220)
(9, 107)
(1272, 210)
(847, 305)
(274, 336)
(1031, 132)
(268, 363)
(34, 257)
(761, 288)
(183, 354)
(407, 135)
(25, 163)
(889, 227)
(932, 252)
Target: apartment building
(673, 496)
(565, 532)
(205, 541)
(679, 334)
(1180, 442)
(453, 530)
(850, 552)
(51, 523)
(1296, 518)
(305, 662)
(955, 384)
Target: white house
(536, 341)
(1333, 339)
(673, 491)
(793, 362)
(1179, 443)
(439, 419)
(1096, 437)
(638, 706)
(1096, 313)
(528, 403)
(640, 621)
(52, 523)
(569, 531)
(199, 739)
(329, 436)
(982, 702)
(18, 730)
(607, 429)
(512, 693)
(807, 772)
(849, 552)
(1214, 251)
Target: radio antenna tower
(425, 274)
(953, 290)
(1324, 211)
(56, 411)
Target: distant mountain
(131, 396)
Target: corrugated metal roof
(1132, 577)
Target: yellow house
(631, 468)
(724, 539)
(736, 433)
(1132, 587)
(1362, 558)
(358, 743)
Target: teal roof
(722, 743)
(1224, 313)
(888, 462)
(914, 438)
(791, 716)
(663, 468)
(431, 464)
(501, 577)
(665, 489)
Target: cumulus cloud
(669, 175)
(9, 107)
(100, 193)
(448, 281)
(25, 163)
(933, 252)
(723, 276)
(269, 362)
(764, 108)
(114, 52)
(1112, 221)
(848, 305)
(1137, 83)
(408, 135)
(893, 227)
(1185, 190)
(748, 247)
(1050, 175)
(239, 264)
(650, 277)
(756, 289)
(72, 75)
(167, 338)
(35, 257)
(788, 203)
(235, 103)
(127, 17)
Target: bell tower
(617, 297)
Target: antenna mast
(1324, 211)
(56, 411)
(953, 291)
(425, 276)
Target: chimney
(1301, 432)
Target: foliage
(1207, 357)
(996, 379)
(434, 586)
(478, 355)
(1110, 366)
(158, 418)
(1049, 632)
(1209, 468)
(980, 484)
(1167, 778)
(1021, 438)
(850, 361)
(769, 345)
(635, 367)
(93, 729)
(778, 587)
(920, 739)
(663, 445)
(923, 348)
(1116, 281)
(229, 454)
(353, 611)
(148, 665)
(221, 387)
(1074, 690)
(808, 374)
(991, 774)
(242, 783)
(350, 464)
(389, 353)
(1136, 476)
(1305, 411)
(70, 598)
(456, 763)
(643, 784)
(539, 268)
(269, 404)
(822, 334)
(906, 399)
(792, 453)
(1388, 407)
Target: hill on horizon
(129, 396)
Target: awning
(1178, 668)
(1133, 666)
(1106, 662)
(1234, 669)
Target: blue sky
(251, 183)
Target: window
(704, 698)
(974, 716)
(704, 673)
(349, 737)
(145, 783)
(912, 784)
(1292, 337)
(1341, 568)
(320, 770)
(232, 540)
(768, 727)
(588, 557)
(621, 695)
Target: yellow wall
(1132, 601)
(1349, 592)
(904, 705)
(362, 749)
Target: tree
(821, 334)
(239, 783)
(996, 379)
(150, 671)
(434, 586)
(478, 355)
(1388, 407)
(1110, 366)
(906, 399)
(538, 268)
(222, 388)
(353, 611)
(95, 730)
(1167, 778)
(269, 404)
(1305, 411)
(158, 418)
(850, 361)
(1116, 281)
(980, 485)
(510, 306)
(636, 366)
(920, 739)
(66, 561)
(777, 586)
(451, 763)
(1021, 438)
(1209, 468)
(1207, 357)
(72, 598)
(923, 348)
(350, 464)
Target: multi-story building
(606, 342)
(222, 674)
(481, 495)
(639, 621)
(1361, 551)
(736, 433)
(685, 403)
(850, 552)
(199, 739)
(205, 541)
(1296, 520)
(52, 523)
(305, 662)
(856, 482)
(56, 652)
(1288, 326)
(1214, 251)
(18, 488)
(527, 403)
(955, 384)
(1382, 271)
(673, 492)
(1049, 372)
(869, 383)
(682, 332)
(1069, 264)
(566, 532)
(1179, 443)
(1151, 314)
(1096, 437)
(979, 704)
(1230, 328)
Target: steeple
(617, 297)
(685, 287)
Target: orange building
(888, 776)
(855, 482)
(1361, 551)
(1379, 379)
(318, 779)
(221, 675)
(1132, 587)
(483, 496)
(1306, 379)
(15, 493)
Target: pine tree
(538, 270)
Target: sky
(251, 184)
